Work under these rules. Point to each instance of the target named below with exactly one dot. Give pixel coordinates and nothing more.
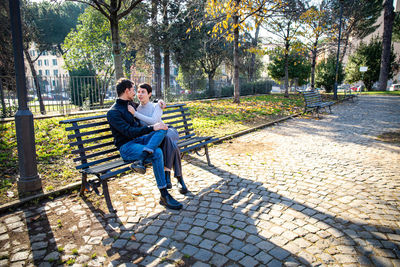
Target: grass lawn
(381, 93)
(373, 93)
(211, 117)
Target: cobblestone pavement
(304, 192)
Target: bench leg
(106, 194)
(84, 185)
(207, 156)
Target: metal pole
(338, 52)
(29, 179)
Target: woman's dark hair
(122, 85)
(146, 86)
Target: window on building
(46, 62)
(44, 53)
(55, 72)
(53, 53)
(53, 82)
(32, 53)
(39, 62)
(47, 72)
(40, 72)
(54, 62)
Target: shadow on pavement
(365, 238)
(40, 233)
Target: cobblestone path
(302, 193)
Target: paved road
(304, 192)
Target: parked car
(356, 88)
(47, 97)
(394, 87)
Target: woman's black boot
(183, 189)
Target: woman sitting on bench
(150, 113)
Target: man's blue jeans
(133, 150)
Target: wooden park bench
(93, 144)
(314, 103)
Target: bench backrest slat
(92, 163)
(83, 126)
(166, 118)
(88, 148)
(177, 122)
(91, 140)
(82, 134)
(169, 111)
(84, 119)
(93, 155)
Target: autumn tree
(316, 21)
(230, 18)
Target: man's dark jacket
(124, 126)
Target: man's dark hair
(146, 86)
(122, 85)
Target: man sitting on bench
(136, 143)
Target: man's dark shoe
(169, 202)
(183, 189)
(138, 166)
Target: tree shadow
(256, 200)
(207, 229)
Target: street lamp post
(29, 179)
(338, 51)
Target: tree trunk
(156, 50)
(211, 84)
(253, 56)
(286, 74)
(344, 49)
(313, 63)
(3, 103)
(236, 94)
(116, 46)
(157, 71)
(36, 81)
(386, 44)
(166, 70)
(166, 48)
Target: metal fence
(58, 94)
(54, 95)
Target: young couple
(142, 137)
